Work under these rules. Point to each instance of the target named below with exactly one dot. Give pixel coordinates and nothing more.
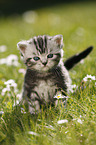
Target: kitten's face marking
(42, 53)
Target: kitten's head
(42, 53)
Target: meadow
(74, 124)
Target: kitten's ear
(59, 40)
(22, 45)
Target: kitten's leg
(34, 104)
(29, 100)
(34, 107)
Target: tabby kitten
(46, 75)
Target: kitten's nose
(44, 63)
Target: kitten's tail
(70, 62)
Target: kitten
(46, 75)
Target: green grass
(77, 24)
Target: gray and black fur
(46, 75)
(72, 61)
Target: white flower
(62, 121)
(16, 103)
(95, 84)
(4, 91)
(9, 82)
(85, 79)
(59, 96)
(23, 111)
(19, 96)
(73, 88)
(50, 127)
(3, 48)
(66, 132)
(33, 133)
(89, 77)
(30, 16)
(79, 121)
(9, 85)
(3, 61)
(10, 60)
(21, 70)
(80, 116)
(1, 112)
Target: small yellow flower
(58, 96)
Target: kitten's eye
(36, 58)
(50, 56)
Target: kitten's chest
(45, 89)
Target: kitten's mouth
(45, 68)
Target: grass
(77, 24)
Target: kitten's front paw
(34, 107)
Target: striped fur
(40, 43)
(46, 76)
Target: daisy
(62, 121)
(3, 48)
(89, 77)
(59, 96)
